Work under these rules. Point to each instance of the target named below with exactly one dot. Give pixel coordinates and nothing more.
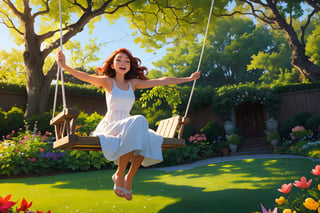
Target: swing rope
(200, 59)
(59, 71)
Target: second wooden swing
(65, 122)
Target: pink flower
(32, 159)
(285, 188)
(316, 170)
(41, 149)
(44, 137)
(303, 183)
(8, 136)
(16, 151)
(24, 139)
(298, 129)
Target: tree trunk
(38, 87)
(305, 66)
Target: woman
(125, 138)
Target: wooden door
(250, 118)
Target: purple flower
(51, 155)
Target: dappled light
(201, 189)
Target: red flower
(316, 170)
(5, 204)
(285, 188)
(24, 205)
(303, 183)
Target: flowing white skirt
(129, 134)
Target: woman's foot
(118, 190)
(127, 188)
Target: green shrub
(42, 121)
(86, 124)
(273, 136)
(234, 139)
(186, 154)
(313, 122)
(212, 130)
(2, 123)
(303, 117)
(188, 131)
(14, 119)
(287, 125)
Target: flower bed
(303, 198)
(30, 153)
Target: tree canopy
(232, 54)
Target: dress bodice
(119, 102)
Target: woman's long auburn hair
(136, 71)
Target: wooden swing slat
(92, 143)
(65, 122)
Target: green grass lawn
(237, 186)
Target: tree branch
(11, 25)
(304, 27)
(78, 26)
(77, 4)
(44, 11)
(14, 9)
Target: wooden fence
(293, 102)
(88, 104)
(300, 101)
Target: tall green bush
(86, 124)
(212, 130)
(42, 121)
(15, 118)
(313, 122)
(303, 117)
(2, 123)
(287, 125)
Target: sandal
(115, 187)
(128, 194)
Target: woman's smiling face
(121, 63)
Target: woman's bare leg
(118, 176)
(135, 165)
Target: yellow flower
(280, 200)
(288, 211)
(311, 204)
(318, 186)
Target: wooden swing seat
(65, 126)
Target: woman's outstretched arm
(143, 84)
(99, 81)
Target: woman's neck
(119, 78)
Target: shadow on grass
(237, 186)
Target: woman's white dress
(121, 133)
